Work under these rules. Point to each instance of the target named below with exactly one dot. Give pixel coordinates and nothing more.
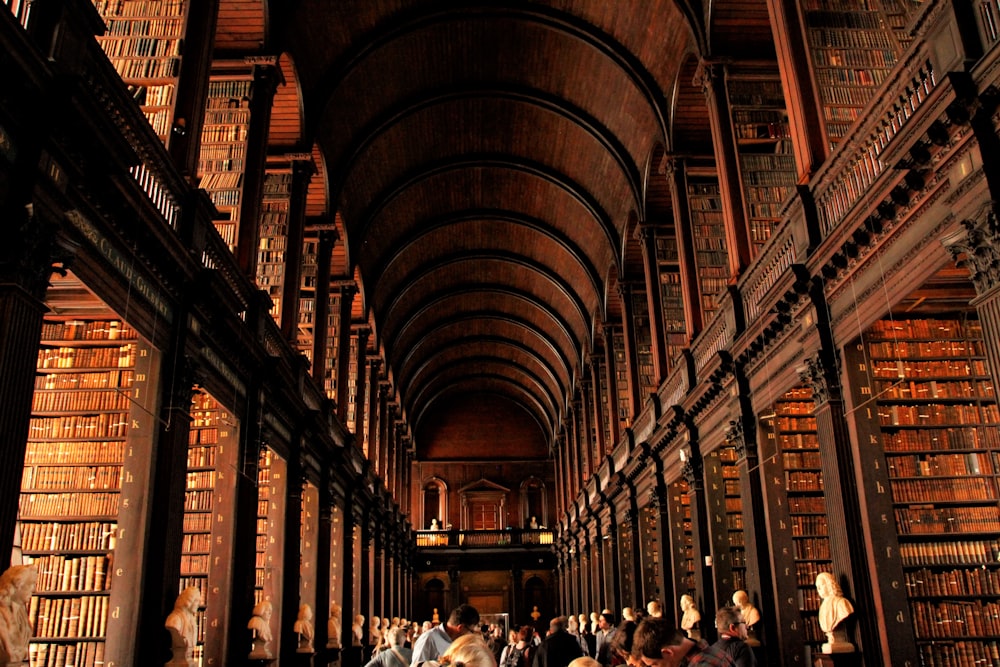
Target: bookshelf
(78, 454)
(853, 46)
(764, 146)
(671, 294)
(722, 480)
(682, 539)
(626, 559)
(307, 297)
(271, 488)
(643, 342)
(144, 40)
(274, 237)
(208, 501)
(352, 382)
(938, 423)
(332, 344)
(621, 378)
(309, 546)
(709, 231)
(649, 532)
(797, 513)
(223, 148)
(602, 379)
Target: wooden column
(692, 468)
(584, 409)
(302, 173)
(324, 253)
(713, 84)
(664, 572)
(362, 388)
(597, 409)
(378, 573)
(612, 398)
(343, 362)
(802, 101)
(674, 171)
(646, 235)
(366, 606)
(351, 657)
(265, 82)
(324, 559)
(631, 359)
(612, 574)
(371, 405)
(290, 569)
(741, 435)
(184, 141)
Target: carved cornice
(977, 248)
(33, 253)
(691, 471)
(815, 374)
(736, 438)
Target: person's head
(557, 624)
(426, 626)
(572, 624)
(463, 619)
(469, 650)
(657, 643)
(606, 621)
(622, 641)
(525, 633)
(729, 621)
(189, 599)
(585, 661)
(827, 586)
(396, 637)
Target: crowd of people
(641, 638)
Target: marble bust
(260, 627)
(16, 586)
(833, 610)
(182, 624)
(749, 613)
(691, 618)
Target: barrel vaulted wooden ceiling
(489, 162)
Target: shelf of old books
(626, 559)
(682, 538)
(649, 535)
(671, 295)
(709, 231)
(853, 46)
(763, 141)
(84, 458)
(940, 430)
(619, 356)
(722, 479)
(274, 237)
(643, 336)
(208, 502)
(271, 488)
(306, 331)
(144, 40)
(797, 513)
(222, 150)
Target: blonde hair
(469, 651)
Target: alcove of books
(926, 403)
(797, 517)
(271, 490)
(682, 539)
(88, 461)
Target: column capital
(976, 247)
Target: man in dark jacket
(559, 648)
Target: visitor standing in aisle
(432, 644)
(659, 643)
(732, 649)
(559, 648)
(605, 633)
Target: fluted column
(361, 389)
(265, 84)
(327, 239)
(646, 236)
(674, 172)
(712, 80)
(631, 359)
(614, 423)
(596, 407)
(343, 362)
(302, 173)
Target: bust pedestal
(836, 660)
(304, 659)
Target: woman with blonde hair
(468, 651)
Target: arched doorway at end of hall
(537, 607)
(434, 597)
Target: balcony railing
(484, 539)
